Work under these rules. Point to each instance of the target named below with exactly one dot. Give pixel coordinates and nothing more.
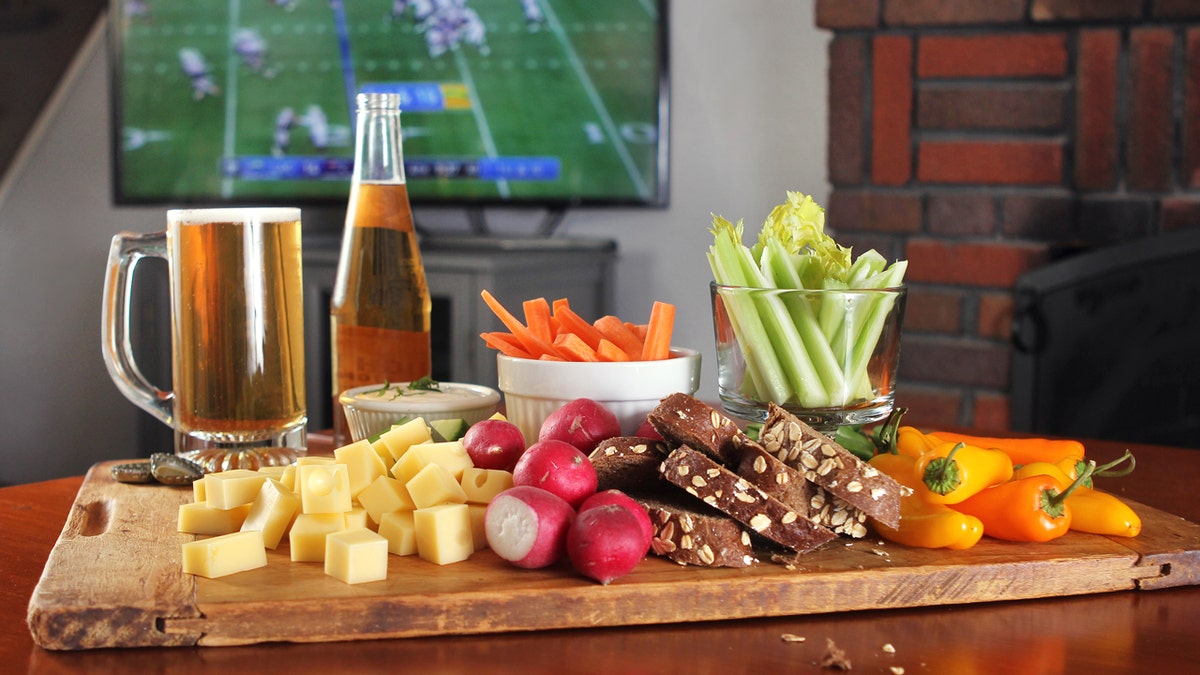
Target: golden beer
(237, 328)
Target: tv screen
(524, 102)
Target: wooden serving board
(114, 579)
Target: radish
(527, 526)
(647, 430)
(494, 444)
(583, 423)
(606, 542)
(618, 498)
(559, 467)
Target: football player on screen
(252, 49)
(195, 68)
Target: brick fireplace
(982, 140)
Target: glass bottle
(380, 306)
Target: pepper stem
(942, 474)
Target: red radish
(559, 467)
(647, 430)
(528, 526)
(618, 498)
(606, 542)
(494, 444)
(583, 423)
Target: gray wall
(748, 123)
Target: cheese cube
(227, 489)
(289, 478)
(451, 455)
(483, 484)
(358, 517)
(356, 556)
(381, 449)
(362, 463)
(307, 536)
(400, 531)
(401, 437)
(272, 512)
(435, 485)
(199, 518)
(198, 493)
(275, 472)
(444, 533)
(226, 554)
(385, 495)
(478, 528)
(325, 488)
(314, 460)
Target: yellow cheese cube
(435, 485)
(399, 438)
(289, 478)
(307, 536)
(226, 554)
(478, 530)
(199, 518)
(198, 493)
(227, 489)
(400, 531)
(498, 416)
(313, 460)
(362, 463)
(356, 556)
(325, 488)
(385, 455)
(385, 495)
(272, 512)
(449, 454)
(483, 484)
(444, 533)
(275, 472)
(358, 517)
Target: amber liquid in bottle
(380, 306)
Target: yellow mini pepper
(922, 524)
(950, 472)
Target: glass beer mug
(237, 333)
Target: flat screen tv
(523, 102)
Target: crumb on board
(896, 670)
(889, 648)
(792, 637)
(834, 656)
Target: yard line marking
(610, 128)
(231, 63)
(485, 131)
(343, 39)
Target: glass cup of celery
(828, 356)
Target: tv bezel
(660, 199)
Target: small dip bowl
(375, 407)
(631, 389)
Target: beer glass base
(278, 450)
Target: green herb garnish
(426, 383)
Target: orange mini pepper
(922, 524)
(1025, 509)
(1019, 450)
(1092, 510)
(951, 472)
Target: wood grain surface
(114, 579)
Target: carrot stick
(574, 349)
(615, 330)
(505, 343)
(537, 317)
(532, 343)
(658, 332)
(607, 351)
(571, 322)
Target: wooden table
(1123, 632)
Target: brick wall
(980, 140)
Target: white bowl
(631, 389)
(368, 414)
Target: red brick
(1034, 162)
(1039, 216)
(1175, 9)
(891, 112)
(953, 361)
(1191, 110)
(933, 311)
(929, 407)
(869, 210)
(847, 14)
(987, 264)
(995, 315)
(962, 214)
(1096, 110)
(991, 412)
(992, 55)
(952, 12)
(1075, 10)
(1024, 107)
(1150, 116)
(847, 129)
(1177, 213)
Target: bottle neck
(378, 156)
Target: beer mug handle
(128, 248)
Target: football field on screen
(567, 88)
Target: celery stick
(871, 326)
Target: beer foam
(265, 214)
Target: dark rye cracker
(685, 420)
(628, 463)
(702, 477)
(832, 467)
(695, 534)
